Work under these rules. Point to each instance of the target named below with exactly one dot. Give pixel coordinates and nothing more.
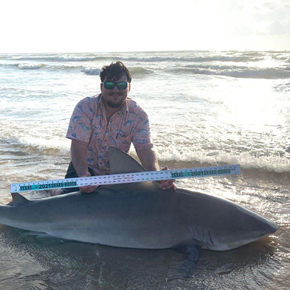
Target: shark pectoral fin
(191, 251)
(17, 199)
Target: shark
(139, 215)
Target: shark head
(246, 227)
(218, 224)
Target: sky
(33, 26)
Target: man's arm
(79, 157)
(149, 160)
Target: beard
(115, 105)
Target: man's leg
(70, 173)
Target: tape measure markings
(127, 178)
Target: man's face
(115, 97)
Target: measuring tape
(126, 178)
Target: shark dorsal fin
(18, 199)
(121, 162)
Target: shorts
(71, 173)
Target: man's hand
(88, 188)
(149, 160)
(167, 184)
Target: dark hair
(114, 71)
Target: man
(109, 119)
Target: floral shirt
(89, 123)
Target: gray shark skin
(139, 215)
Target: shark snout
(272, 228)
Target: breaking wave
(90, 70)
(253, 65)
(57, 145)
(29, 66)
(230, 71)
(236, 72)
(186, 56)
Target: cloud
(279, 27)
(272, 17)
(260, 17)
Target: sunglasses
(111, 85)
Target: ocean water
(205, 108)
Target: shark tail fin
(17, 199)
